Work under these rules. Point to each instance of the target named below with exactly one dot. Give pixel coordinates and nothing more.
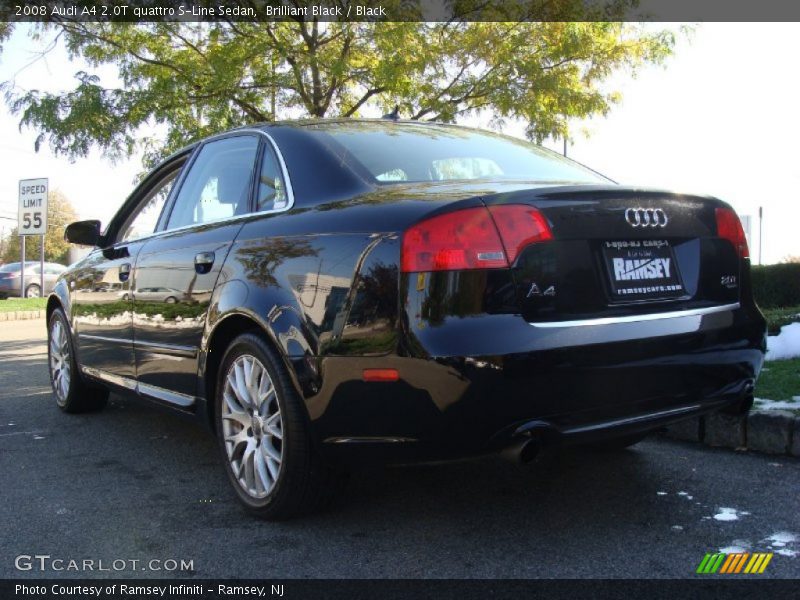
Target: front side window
(218, 184)
(143, 222)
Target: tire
(269, 455)
(171, 300)
(125, 297)
(619, 443)
(33, 291)
(72, 394)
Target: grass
(778, 317)
(780, 380)
(13, 304)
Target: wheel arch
(225, 329)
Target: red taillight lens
(473, 238)
(730, 228)
(520, 226)
(464, 239)
(380, 375)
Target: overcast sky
(720, 118)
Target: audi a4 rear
(348, 290)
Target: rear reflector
(473, 238)
(730, 228)
(380, 375)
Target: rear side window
(218, 183)
(271, 186)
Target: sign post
(32, 220)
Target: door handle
(124, 271)
(203, 262)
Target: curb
(21, 315)
(765, 431)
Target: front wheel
(263, 434)
(72, 394)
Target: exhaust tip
(529, 451)
(523, 451)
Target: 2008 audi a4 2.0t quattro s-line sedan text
(345, 290)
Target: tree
(194, 79)
(60, 213)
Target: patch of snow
(727, 514)
(683, 493)
(764, 404)
(786, 552)
(781, 539)
(784, 345)
(676, 528)
(38, 437)
(733, 549)
(661, 493)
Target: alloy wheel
(59, 360)
(252, 426)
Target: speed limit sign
(32, 215)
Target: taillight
(520, 226)
(729, 227)
(472, 238)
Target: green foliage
(60, 213)
(780, 380)
(778, 317)
(195, 79)
(777, 285)
(14, 304)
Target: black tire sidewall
(30, 287)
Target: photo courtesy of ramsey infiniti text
(325, 292)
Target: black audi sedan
(346, 290)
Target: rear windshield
(407, 152)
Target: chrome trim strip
(182, 400)
(119, 380)
(176, 398)
(697, 312)
(672, 412)
(368, 440)
(169, 349)
(102, 338)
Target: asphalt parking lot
(135, 483)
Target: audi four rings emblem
(646, 217)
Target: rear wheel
(33, 291)
(71, 392)
(264, 436)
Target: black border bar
(716, 587)
(149, 11)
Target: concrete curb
(20, 315)
(766, 431)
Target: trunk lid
(620, 251)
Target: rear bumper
(567, 383)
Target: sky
(721, 117)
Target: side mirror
(85, 233)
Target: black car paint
(321, 281)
